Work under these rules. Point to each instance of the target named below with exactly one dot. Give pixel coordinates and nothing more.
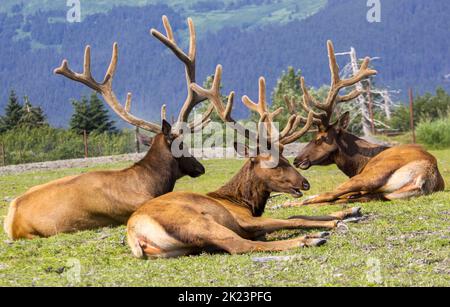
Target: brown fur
(376, 171)
(96, 199)
(225, 220)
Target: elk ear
(145, 140)
(166, 128)
(344, 121)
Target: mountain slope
(412, 41)
(213, 14)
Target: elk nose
(201, 170)
(306, 186)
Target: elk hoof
(316, 242)
(324, 234)
(353, 220)
(356, 211)
(319, 235)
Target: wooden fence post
(138, 143)
(3, 154)
(411, 115)
(86, 148)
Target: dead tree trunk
(364, 109)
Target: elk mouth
(296, 192)
(303, 165)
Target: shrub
(435, 133)
(48, 144)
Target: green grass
(409, 240)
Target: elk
(376, 172)
(230, 219)
(108, 198)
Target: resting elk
(376, 172)
(229, 219)
(108, 198)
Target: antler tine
(289, 134)
(291, 138)
(112, 65)
(260, 107)
(192, 40)
(192, 98)
(214, 97)
(105, 88)
(198, 125)
(308, 100)
(292, 125)
(337, 84)
(163, 112)
(349, 97)
(291, 105)
(169, 41)
(85, 77)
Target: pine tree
(99, 116)
(80, 120)
(91, 116)
(32, 117)
(288, 85)
(13, 113)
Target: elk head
(165, 133)
(266, 163)
(325, 144)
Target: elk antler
(105, 88)
(287, 136)
(188, 60)
(214, 96)
(337, 84)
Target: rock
(273, 259)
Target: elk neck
(245, 190)
(354, 153)
(159, 167)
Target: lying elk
(229, 219)
(108, 198)
(376, 172)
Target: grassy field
(404, 243)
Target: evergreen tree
(288, 85)
(32, 117)
(80, 120)
(99, 116)
(13, 114)
(91, 116)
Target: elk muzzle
(302, 163)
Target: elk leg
(406, 192)
(335, 216)
(220, 237)
(258, 227)
(359, 183)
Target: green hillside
(240, 13)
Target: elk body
(376, 172)
(229, 219)
(108, 198)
